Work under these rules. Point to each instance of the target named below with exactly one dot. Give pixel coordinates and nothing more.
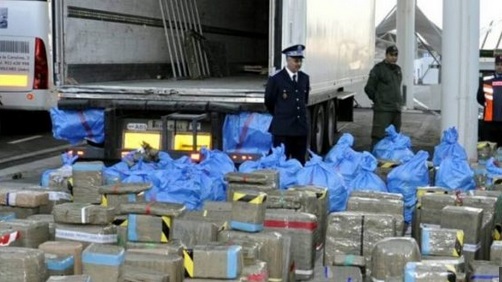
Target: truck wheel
(317, 129)
(331, 130)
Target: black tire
(330, 130)
(317, 129)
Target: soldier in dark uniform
(384, 90)
(286, 98)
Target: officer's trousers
(381, 120)
(295, 146)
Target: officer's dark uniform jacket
(490, 96)
(287, 102)
(384, 87)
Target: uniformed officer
(286, 98)
(490, 96)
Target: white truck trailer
(158, 67)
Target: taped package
(135, 274)
(421, 191)
(379, 205)
(55, 198)
(10, 237)
(248, 210)
(6, 216)
(49, 218)
(250, 178)
(82, 213)
(65, 248)
(482, 271)
(390, 256)
(121, 193)
(442, 242)
(22, 264)
(348, 260)
(256, 272)
(194, 232)
(59, 264)
(342, 273)
(87, 178)
(213, 261)
(421, 272)
(103, 262)
(301, 227)
(171, 247)
(171, 265)
(148, 228)
(456, 265)
(87, 234)
(273, 251)
(23, 199)
(496, 252)
(470, 221)
(153, 208)
(70, 278)
(21, 213)
(488, 204)
(251, 251)
(32, 233)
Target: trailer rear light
(76, 152)
(41, 74)
(195, 157)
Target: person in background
(490, 97)
(286, 99)
(384, 90)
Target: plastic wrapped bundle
(120, 193)
(6, 216)
(171, 265)
(135, 274)
(420, 272)
(81, 213)
(21, 213)
(348, 260)
(72, 278)
(379, 206)
(457, 265)
(87, 178)
(432, 204)
(59, 264)
(55, 198)
(213, 261)
(87, 234)
(250, 178)
(232, 187)
(486, 150)
(342, 273)
(442, 242)
(343, 235)
(32, 233)
(172, 247)
(301, 227)
(103, 262)
(482, 271)
(148, 228)
(421, 191)
(248, 210)
(23, 199)
(49, 218)
(9, 237)
(194, 232)
(22, 265)
(496, 252)
(390, 256)
(153, 208)
(73, 249)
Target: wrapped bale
(82, 213)
(482, 271)
(58, 178)
(381, 204)
(376, 195)
(147, 228)
(421, 191)
(496, 252)
(470, 221)
(250, 178)
(135, 274)
(457, 265)
(32, 233)
(22, 265)
(429, 214)
(488, 204)
(172, 247)
(420, 272)
(348, 260)
(273, 176)
(72, 278)
(342, 273)
(49, 218)
(248, 210)
(232, 187)
(55, 198)
(390, 256)
(9, 237)
(62, 248)
(23, 199)
(213, 261)
(251, 251)
(103, 262)
(121, 193)
(6, 216)
(272, 251)
(87, 178)
(59, 264)
(442, 242)
(153, 208)
(87, 234)
(171, 265)
(21, 213)
(194, 232)
(301, 227)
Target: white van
(26, 80)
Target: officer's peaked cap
(294, 51)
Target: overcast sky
(433, 9)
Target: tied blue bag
(448, 147)
(345, 160)
(76, 126)
(406, 178)
(394, 146)
(316, 172)
(247, 133)
(493, 171)
(456, 174)
(366, 179)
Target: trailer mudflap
(345, 106)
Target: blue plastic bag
(216, 162)
(316, 172)
(76, 126)
(406, 178)
(247, 133)
(448, 147)
(65, 171)
(492, 171)
(366, 179)
(455, 174)
(345, 160)
(394, 146)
